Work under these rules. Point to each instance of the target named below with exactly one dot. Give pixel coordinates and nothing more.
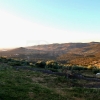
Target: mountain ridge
(75, 53)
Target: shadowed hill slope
(75, 53)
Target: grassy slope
(30, 85)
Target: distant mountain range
(76, 53)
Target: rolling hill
(74, 53)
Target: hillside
(74, 53)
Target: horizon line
(4, 48)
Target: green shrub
(52, 64)
(40, 64)
(14, 63)
(96, 71)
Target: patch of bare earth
(37, 79)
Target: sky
(35, 22)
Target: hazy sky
(30, 22)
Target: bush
(78, 68)
(96, 71)
(3, 59)
(40, 64)
(52, 64)
(14, 63)
(24, 62)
